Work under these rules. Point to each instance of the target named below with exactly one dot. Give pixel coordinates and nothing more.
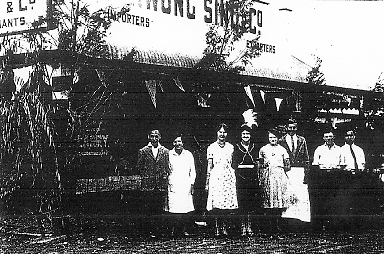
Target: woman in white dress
(180, 189)
(221, 180)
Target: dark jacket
(154, 172)
(299, 157)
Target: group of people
(272, 182)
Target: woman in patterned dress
(221, 180)
(273, 178)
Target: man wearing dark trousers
(153, 167)
(325, 181)
(352, 200)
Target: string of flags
(278, 103)
(152, 85)
(152, 88)
(249, 94)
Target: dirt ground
(116, 235)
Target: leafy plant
(33, 150)
(219, 62)
(27, 147)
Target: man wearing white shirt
(324, 185)
(328, 156)
(352, 180)
(353, 155)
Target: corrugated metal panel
(154, 57)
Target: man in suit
(153, 167)
(296, 146)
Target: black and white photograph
(191, 126)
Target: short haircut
(222, 125)
(274, 132)
(178, 135)
(150, 132)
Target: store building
(154, 48)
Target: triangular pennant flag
(262, 93)
(178, 84)
(151, 87)
(249, 93)
(101, 76)
(160, 85)
(278, 103)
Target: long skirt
(222, 192)
(273, 182)
(248, 190)
(298, 197)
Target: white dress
(222, 193)
(298, 203)
(181, 178)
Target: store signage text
(128, 18)
(262, 47)
(217, 12)
(223, 14)
(16, 15)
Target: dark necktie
(354, 156)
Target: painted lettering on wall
(128, 18)
(216, 12)
(262, 47)
(223, 13)
(17, 15)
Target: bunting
(178, 84)
(249, 94)
(151, 87)
(262, 93)
(101, 76)
(278, 103)
(159, 84)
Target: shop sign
(179, 26)
(17, 16)
(213, 12)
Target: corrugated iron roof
(154, 57)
